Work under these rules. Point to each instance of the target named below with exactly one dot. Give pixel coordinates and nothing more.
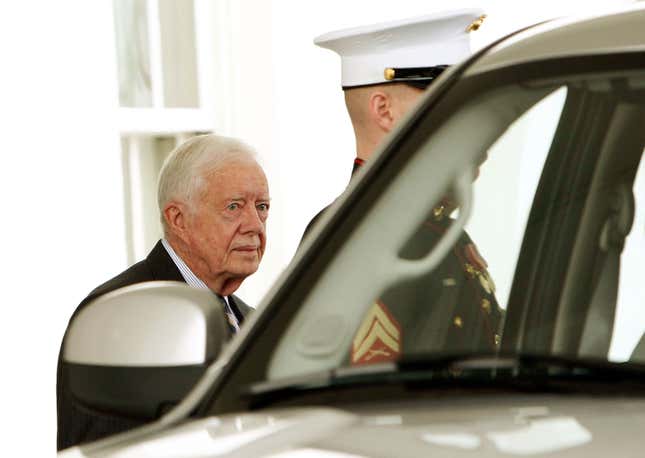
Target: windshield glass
(515, 225)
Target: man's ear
(380, 109)
(174, 214)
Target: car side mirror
(137, 351)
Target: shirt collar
(195, 282)
(358, 162)
(185, 271)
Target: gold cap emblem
(476, 24)
(389, 74)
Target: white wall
(62, 219)
(62, 228)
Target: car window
(376, 306)
(629, 325)
(502, 224)
(492, 224)
(505, 188)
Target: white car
(389, 335)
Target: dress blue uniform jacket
(452, 309)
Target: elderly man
(385, 69)
(214, 201)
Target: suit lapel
(240, 307)
(162, 266)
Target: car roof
(620, 30)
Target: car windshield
(504, 220)
(514, 225)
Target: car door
(536, 163)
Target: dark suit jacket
(76, 425)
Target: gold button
(470, 269)
(486, 305)
(483, 280)
(449, 282)
(438, 212)
(458, 322)
(389, 74)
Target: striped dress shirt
(195, 282)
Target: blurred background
(93, 95)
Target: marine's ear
(380, 110)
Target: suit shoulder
(137, 273)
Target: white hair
(183, 172)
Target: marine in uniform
(453, 308)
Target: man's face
(225, 231)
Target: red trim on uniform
(472, 254)
(372, 325)
(379, 352)
(385, 308)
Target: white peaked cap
(422, 42)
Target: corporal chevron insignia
(378, 339)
